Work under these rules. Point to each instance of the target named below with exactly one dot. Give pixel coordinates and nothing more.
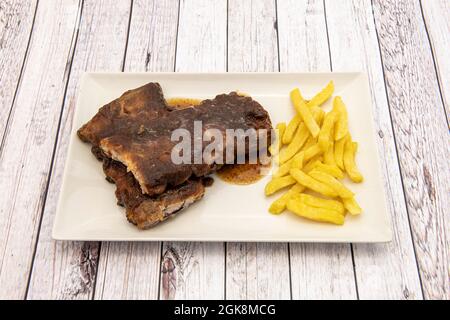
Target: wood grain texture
(383, 271)
(132, 270)
(16, 23)
(421, 132)
(255, 270)
(193, 270)
(436, 14)
(67, 270)
(26, 156)
(318, 271)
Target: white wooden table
(46, 45)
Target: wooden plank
(132, 270)
(384, 271)
(255, 270)
(318, 271)
(436, 14)
(193, 270)
(67, 270)
(26, 155)
(16, 24)
(421, 132)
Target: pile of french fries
(314, 151)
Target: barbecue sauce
(239, 174)
(243, 174)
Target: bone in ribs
(131, 135)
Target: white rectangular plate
(87, 207)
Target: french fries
(311, 183)
(333, 183)
(279, 205)
(304, 112)
(274, 149)
(317, 202)
(342, 120)
(290, 129)
(349, 162)
(331, 170)
(299, 140)
(339, 152)
(322, 96)
(314, 151)
(325, 131)
(316, 214)
(279, 183)
(352, 206)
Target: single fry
(290, 129)
(332, 182)
(274, 149)
(279, 183)
(341, 129)
(316, 214)
(299, 140)
(352, 206)
(331, 170)
(311, 152)
(317, 202)
(325, 131)
(322, 96)
(328, 156)
(295, 162)
(304, 112)
(281, 130)
(279, 205)
(312, 164)
(349, 162)
(311, 183)
(339, 152)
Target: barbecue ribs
(131, 135)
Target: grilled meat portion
(146, 150)
(145, 211)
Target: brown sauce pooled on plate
(242, 174)
(183, 103)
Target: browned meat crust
(146, 150)
(145, 211)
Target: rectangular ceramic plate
(87, 207)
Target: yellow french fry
(279, 205)
(352, 206)
(311, 152)
(277, 184)
(311, 183)
(322, 96)
(325, 131)
(281, 130)
(349, 162)
(276, 146)
(331, 170)
(296, 162)
(304, 112)
(299, 140)
(312, 163)
(333, 183)
(291, 128)
(317, 202)
(339, 152)
(316, 214)
(341, 129)
(328, 156)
